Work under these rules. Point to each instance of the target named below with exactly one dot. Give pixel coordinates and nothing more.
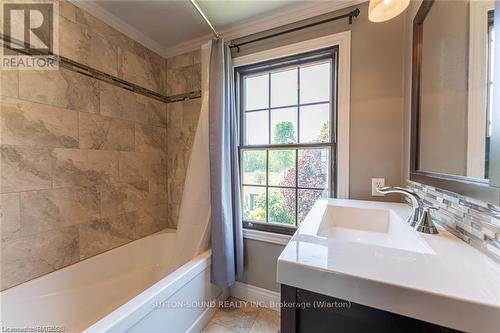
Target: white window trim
(266, 236)
(343, 41)
(478, 66)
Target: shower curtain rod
(232, 45)
(350, 15)
(207, 21)
(98, 75)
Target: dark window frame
(331, 54)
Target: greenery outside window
(287, 148)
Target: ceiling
(171, 22)
(163, 25)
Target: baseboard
(260, 296)
(202, 321)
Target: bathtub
(133, 288)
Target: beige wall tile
(150, 139)
(25, 168)
(142, 166)
(9, 83)
(133, 68)
(134, 167)
(74, 40)
(117, 102)
(10, 215)
(56, 220)
(121, 198)
(26, 258)
(104, 133)
(184, 79)
(103, 54)
(191, 113)
(56, 208)
(155, 111)
(73, 167)
(158, 168)
(185, 59)
(63, 88)
(152, 218)
(67, 10)
(34, 124)
(105, 234)
(174, 114)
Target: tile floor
(238, 316)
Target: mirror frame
(487, 190)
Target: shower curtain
(227, 233)
(211, 196)
(193, 225)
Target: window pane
(254, 167)
(256, 128)
(254, 203)
(313, 168)
(307, 198)
(282, 205)
(257, 92)
(282, 168)
(315, 123)
(315, 83)
(284, 88)
(284, 125)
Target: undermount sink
(371, 226)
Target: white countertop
(449, 284)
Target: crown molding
(190, 45)
(304, 11)
(120, 25)
(297, 13)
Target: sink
(366, 253)
(370, 226)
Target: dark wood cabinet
(307, 311)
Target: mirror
(455, 121)
(456, 88)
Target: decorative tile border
(99, 75)
(475, 222)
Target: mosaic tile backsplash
(475, 222)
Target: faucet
(419, 217)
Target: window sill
(264, 236)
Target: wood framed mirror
(455, 109)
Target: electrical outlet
(376, 183)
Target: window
(287, 148)
(489, 104)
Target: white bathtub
(118, 291)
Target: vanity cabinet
(307, 311)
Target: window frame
(327, 53)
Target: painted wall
(83, 162)
(376, 124)
(261, 259)
(377, 56)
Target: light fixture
(384, 10)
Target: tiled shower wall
(184, 75)
(84, 163)
(473, 221)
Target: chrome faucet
(419, 217)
